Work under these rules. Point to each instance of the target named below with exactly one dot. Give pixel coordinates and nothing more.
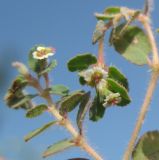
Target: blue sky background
(67, 26)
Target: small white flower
(43, 52)
(94, 75)
(101, 85)
(112, 99)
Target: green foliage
(97, 109)
(147, 147)
(99, 31)
(132, 44)
(36, 111)
(83, 108)
(109, 13)
(116, 75)
(68, 103)
(58, 147)
(39, 130)
(49, 68)
(82, 80)
(81, 62)
(59, 90)
(115, 87)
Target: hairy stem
(142, 114)
(101, 52)
(68, 125)
(66, 122)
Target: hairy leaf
(69, 102)
(115, 87)
(59, 90)
(147, 147)
(81, 62)
(36, 111)
(98, 32)
(115, 74)
(83, 108)
(39, 130)
(58, 147)
(97, 109)
(132, 44)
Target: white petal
(40, 48)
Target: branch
(142, 114)
(65, 122)
(152, 85)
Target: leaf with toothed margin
(39, 130)
(81, 62)
(58, 147)
(36, 111)
(115, 74)
(83, 108)
(115, 87)
(59, 90)
(147, 147)
(68, 103)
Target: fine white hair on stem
(148, 7)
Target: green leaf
(39, 130)
(35, 64)
(81, 62)
(19, 102)
(59, 90)
(97, 109)
(115, 74)
(49, 68)
(109, 13)
(36, 111)
(82, 80)
(133, 44)
(69, 102)
(83, 108)
(158, 30)
(147, 147)
(99, 31)
(58, 147)
(115, 87)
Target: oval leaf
(99, 31)
(69, 102)
(36, 111)
(117, 88)
(133, 44)
(81, 62)
(59, 90)
(39, 130)
(115, 74)
(147, 147)
(83, 108)
(58, 147)
(97, 109)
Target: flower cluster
(112, 99)
(95, 77)
(43, 52)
